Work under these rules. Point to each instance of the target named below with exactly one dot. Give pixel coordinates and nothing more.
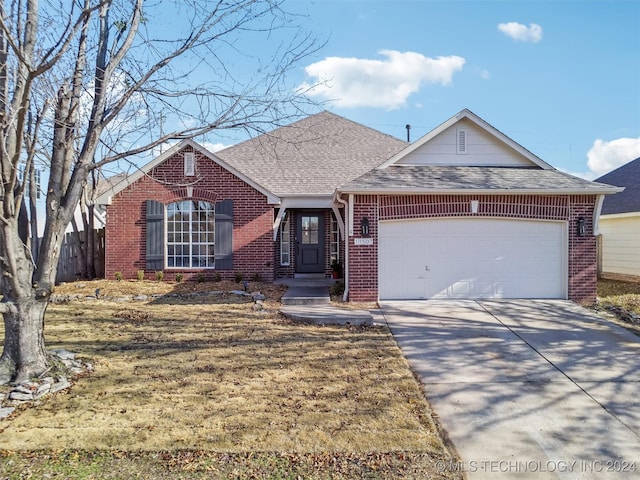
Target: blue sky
(562, 78)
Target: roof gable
(105, 197)
(312, 156)
(466, 140)
(628, 176)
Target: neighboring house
(620, 225)
(464, 212)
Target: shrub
(159, 275)
(256, 277)
(217, 277)
(239, 277)
(140, 275)
(201, 278)
(179, 277)
(118, 276)
(337, 289)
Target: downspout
(339, 199)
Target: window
(310, 230)
(335, 241)
(191, 234)
(189, 164)
(285, 241)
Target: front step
(305, 301)
(306, 296)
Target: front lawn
(622, 299)
(215, 389)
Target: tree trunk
(24, 354)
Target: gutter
(481, 191)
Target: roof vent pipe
(408, 127)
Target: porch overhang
(306, 202)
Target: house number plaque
(363, 241)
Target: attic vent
(461, 144)
(189, 164)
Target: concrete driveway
(527, 388)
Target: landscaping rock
(61, 385)
(257, 296)
(41, 391)
(63, 354)
(6, 411)
(35, 390)
(23, 397)
(240, 292)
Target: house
(620, 225)
(264, 207)
(463, 212)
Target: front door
(310, 233)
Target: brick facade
(582, 261)
(253, 246)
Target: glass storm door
(310, 243)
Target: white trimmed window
(285, 241)
(189, 164)
(334, 248)
(191, 234)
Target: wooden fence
(70, 263)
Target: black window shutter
(224, 235)
(155, 235)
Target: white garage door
(472, 258)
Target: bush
(159, 275)
(217, 277)
(239, 277)
(337, 289)
(118, 276)
(140, 275)
(201, 278)
(256, 277)
(179, 277)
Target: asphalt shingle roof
(312, 156)
(442, 178)
(627, 176)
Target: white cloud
(214, 147)
(386, 83)
(522, 33)
(605, 156)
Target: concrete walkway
(309, 301)
(527, 389)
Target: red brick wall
(363, 259)
(583, 251)
(582, 255)
(253, 247)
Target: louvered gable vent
(461, 144)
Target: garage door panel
(472, 258)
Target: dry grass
(145, 287)
(619, 298)
(621, 294)
(221, 379)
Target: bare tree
(84, 83)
